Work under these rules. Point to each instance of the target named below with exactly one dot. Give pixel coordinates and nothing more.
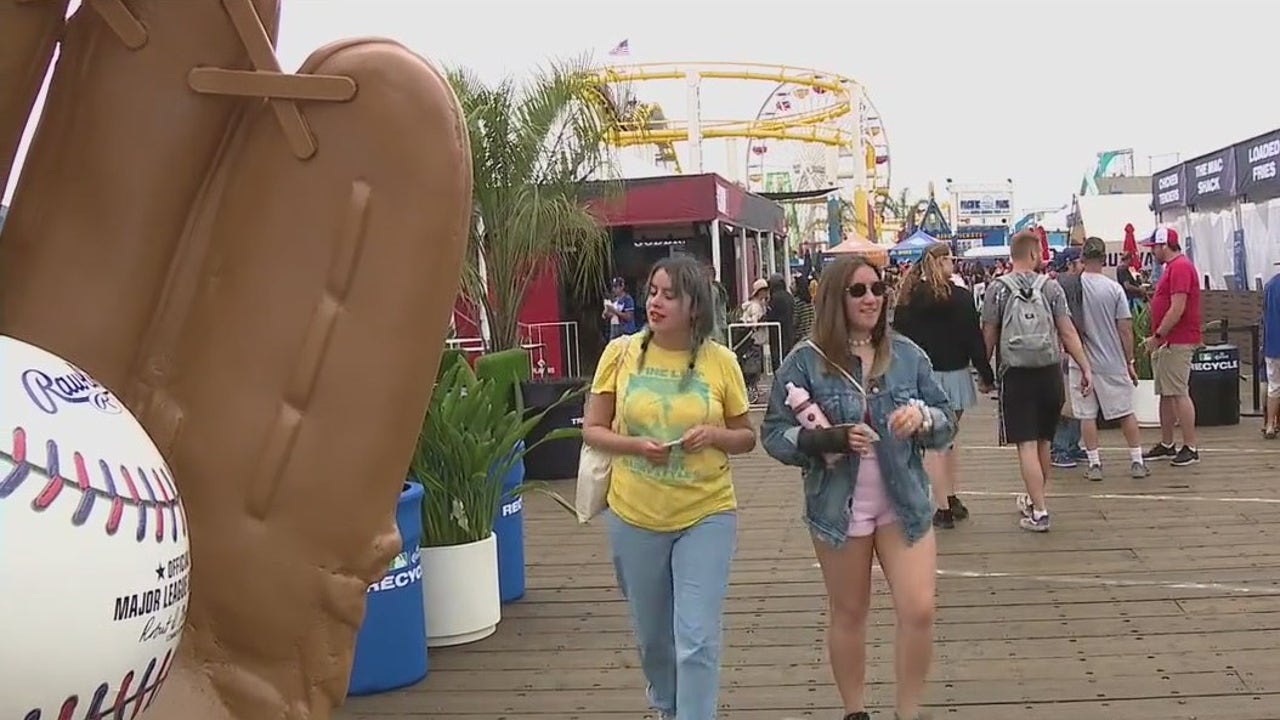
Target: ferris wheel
(795, 166)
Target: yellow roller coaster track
(807, 126)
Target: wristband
(926, 422)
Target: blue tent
(913, 246)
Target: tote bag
(595, 467)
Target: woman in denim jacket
(865, 488)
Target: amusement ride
(813, 131)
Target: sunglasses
(857, 290)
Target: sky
(974, 90)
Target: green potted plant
(1146, 406)
(471, 441)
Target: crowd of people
(872, 373)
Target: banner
(1168, 188)
(1258, 167)
(1211, 179)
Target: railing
(533, 338)
(467, 344)
(752, 355)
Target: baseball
(93, 547)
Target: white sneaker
(1023, 501)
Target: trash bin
(558, 459)
(509, 529)
(391, 647)
(1215, 385)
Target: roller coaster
(806, 108)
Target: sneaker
(1269, 434)
(1079, 455)
(1094, 473)
(958, 510)
(1023, 501)
(1063, 460)
(860, 715)
(1035, 524)
(1186, 456)
(944, 519)
(1139, 470)
(1160, 452)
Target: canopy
(914, 245)
(682, 200)
(877, 255)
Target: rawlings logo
(76, 388)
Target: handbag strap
(847, 376)
(617, 377)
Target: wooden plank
(1115, 613)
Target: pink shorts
(869, 508)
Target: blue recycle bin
(391, 647)
(509, 527)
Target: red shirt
(1179, 276)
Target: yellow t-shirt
(649, 402)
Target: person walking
(680, 407)
(1065, 451)
(781, 310)
(1025, 318)
(865, 489)
(1271, 354)
(1105, 325)
(1175, 336)
(940, 316)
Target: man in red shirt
(1175, 335)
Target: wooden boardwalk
(1154, 599)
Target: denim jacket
(828, 490)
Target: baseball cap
(1163, 235)
(759, 284)
(1065, 257)
(1094, 249)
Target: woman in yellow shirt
(682, 410)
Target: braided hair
(688, 280)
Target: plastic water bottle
(809, 413)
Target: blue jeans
(675, 585)
(1066, 442)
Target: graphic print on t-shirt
(655, 406)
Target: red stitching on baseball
(56, 481)
(153, 679)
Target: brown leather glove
(266, 284)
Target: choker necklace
(860, 343)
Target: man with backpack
(1026, 323)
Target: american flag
(622, 48)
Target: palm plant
(534, 146)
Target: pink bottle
(808, 413)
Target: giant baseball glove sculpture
(262, 267)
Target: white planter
(1146, 405)
(460, 587)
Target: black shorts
(1030, 404)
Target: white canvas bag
(595, 467)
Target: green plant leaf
(470, 440)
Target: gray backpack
(1028, 335)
